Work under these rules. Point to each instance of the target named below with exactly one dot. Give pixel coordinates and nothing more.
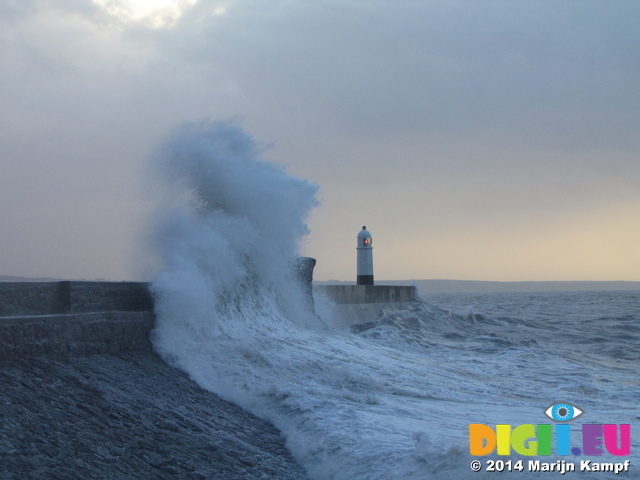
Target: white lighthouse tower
(365, 258)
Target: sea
(394, 397)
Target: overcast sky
(480, 140)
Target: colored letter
(611, 440)
(592, 439)
(503, 433)
(563, 437)
(520, 435)
(478, 435)
(544, 439)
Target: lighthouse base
(364, 280)
(361, 303)
(356, 294)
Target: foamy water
(392, 398)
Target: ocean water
(388, 399)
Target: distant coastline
(452, 286)
(479, 286)
(15, 278)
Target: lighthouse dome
(364, 238)
(364, 233)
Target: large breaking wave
(389, 399)
(229, 229)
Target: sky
(476, 140)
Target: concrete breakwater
(84, 396)
(362, 303)
(62, 320)
(364, 294)
(66, 297)
(69, 319)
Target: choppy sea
(392, 398)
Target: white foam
(390, 402)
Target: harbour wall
(361, 303)
(70, 413)
(56, 298)
(63, 320)
(350, 294)
(68, 319)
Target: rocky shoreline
(128, 416)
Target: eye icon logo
(563, 412)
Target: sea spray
(231, 315)
(392, 399)
(230, 226)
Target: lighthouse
(365, 258)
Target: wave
(391, 398)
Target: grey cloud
(460, 66)
(475, 109)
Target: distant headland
(479, 286)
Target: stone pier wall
(55, 298)
(61, 337)
(63, 320)
(363, 294)
(70, 319)
(361, 303)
